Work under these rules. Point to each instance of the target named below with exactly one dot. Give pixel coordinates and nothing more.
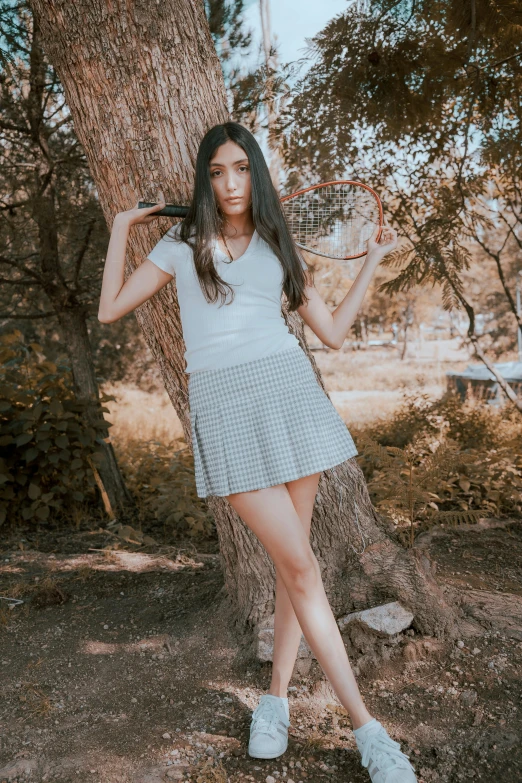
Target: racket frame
(339, 182)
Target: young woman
(262, 428)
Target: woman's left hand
(386, 244)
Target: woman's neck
(238, 225)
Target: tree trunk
(69, 310)
(144, 84)
(74, 329)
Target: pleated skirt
(262, 423)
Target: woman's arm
(333, 327)
(119, 297)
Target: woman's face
(230, 177)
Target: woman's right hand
(145, 215)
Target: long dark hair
(204, 221)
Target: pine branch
(458, 517)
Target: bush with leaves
(449, 461)
(161, 476)
(48, 452)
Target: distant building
(483, 383)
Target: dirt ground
(120, 667)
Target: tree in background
(426, 107)
(52, 232)
(231, 38)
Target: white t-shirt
(222, 335)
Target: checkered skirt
(262, 423)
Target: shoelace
(266, 717)
(384, 751)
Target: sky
(292, 22)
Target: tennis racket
(332, 219)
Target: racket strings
(333, 220)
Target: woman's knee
(299, 570)
(271, 515)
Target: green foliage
(161, 476)
(46, 446)
(225, 20)
(449, 462)
(419, 71)
(426, 108)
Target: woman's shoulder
(170, 251)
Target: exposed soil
(120, 666)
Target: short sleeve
(169, 251)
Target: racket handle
(169, 210)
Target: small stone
(166, 735)
(460, 644)
(210, 751)
(270, 779)
(105, 627)
(134, 700)
(476, 650)
(388, 619)
(468, 697)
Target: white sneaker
(269, 728)
(382, 756)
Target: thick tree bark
(144, 84)
(74, 328)
(70, 312)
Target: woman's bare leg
(287, 631)
(272, 517)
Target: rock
(460, 644)
(17, 768)
(175, 774)
(387, 619)
(303, 666)
(166, 735)
(468, 697)
(265, 642)
(129, 534)
(411, 652)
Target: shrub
(161, 476)
(480, 475)
(46, 445)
